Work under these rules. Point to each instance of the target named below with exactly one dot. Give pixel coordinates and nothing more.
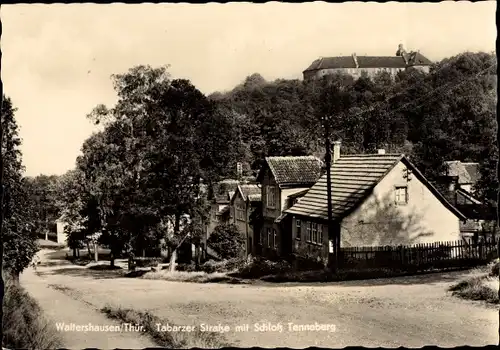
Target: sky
(58, 59)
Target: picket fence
(420, 256)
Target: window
(275, 241)
(240, 212)
(320, 234)
(314, 232)
(269, 238)
(261, 233)
(308, 234)
(271, 197)
(298, 228)
(401, 195)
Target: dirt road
(410, 311)
(64, 310)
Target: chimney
(239, 170)
(355, 58)
(336, 151)
(381, 151)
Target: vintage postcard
(237, 175)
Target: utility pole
(331, 232)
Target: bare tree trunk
(173, 256)
(96, 252)
(88, 249)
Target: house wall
(379, 221)
(305, 247)
(285, 192)
(356, 72)
(62, 237)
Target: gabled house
(481, 218)
(467, 174)
(219, 196)
(377, 199)
(245, 200)
(279, 178)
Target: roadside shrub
(227, 241)
(475, 288)
(258, 267)
(222, 266)
(25, 326)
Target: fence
(438, 255)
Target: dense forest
(164, 141)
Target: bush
(25, 326)
(227, 241)
(258, 267)
(228, 265)
(475, 288)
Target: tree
(43, 199)
(19, 237)
(227, 241)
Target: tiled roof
(468, 173)
(304, 170)
(381, 62)
(415, 59)
(353, 179)
(249, 190)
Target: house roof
(467, 195)
(251, 192)
(288, 171)
(415, 59)
(468, 173)
(298, 194)
(353, 179)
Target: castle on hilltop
(356, 65)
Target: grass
(189, 276)
(25, 326)
(167, 339)
(480, 286)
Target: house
(468, 173)
(371, 65)
(219, 197)
(280, 178)
(245, 200)
(481, 218)
(377, 199)
(62, 236)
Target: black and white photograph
(276, 174)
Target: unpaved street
(410, 311)
(63, 309)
